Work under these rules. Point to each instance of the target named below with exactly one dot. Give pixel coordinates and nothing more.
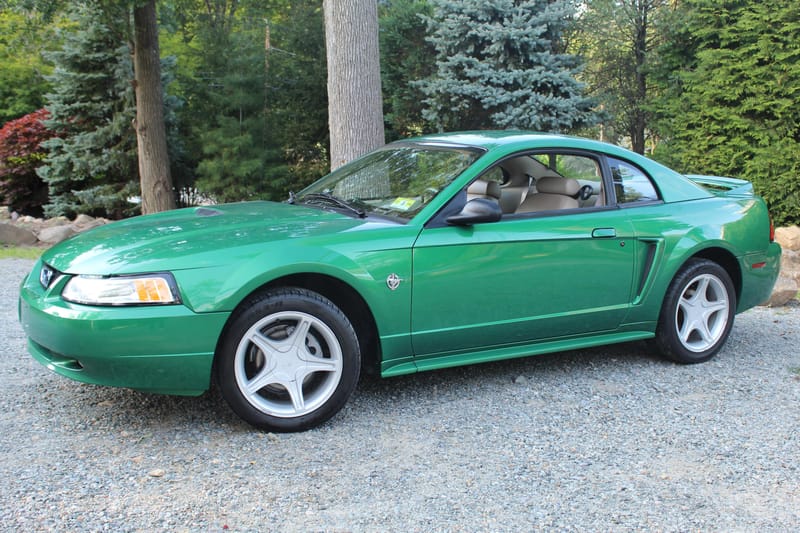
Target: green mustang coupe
(428, 253)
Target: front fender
(365, 265)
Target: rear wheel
(697, 313)
(289, 360)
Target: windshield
(396, 181)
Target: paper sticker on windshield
(403, 204)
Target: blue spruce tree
(503, 64)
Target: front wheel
(697, 313)
(289, 361)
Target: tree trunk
(355, 107)
(151, 135)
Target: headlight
(147, 289)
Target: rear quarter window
(631, 184)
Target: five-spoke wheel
(697, 313)
(289, 361)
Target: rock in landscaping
(789, 280)
(85, 222)
(16, 236)
(790, 264)
(52, 222)
(784, 291)
(56, 234)
(788, 238)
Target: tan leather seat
(511, 198)
(601, 196)
(552, 193)
(484, 189)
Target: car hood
(193, 238)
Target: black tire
(697, 313)
(278, 380)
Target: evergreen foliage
(91, 166)
(730, 97)
(21, 152)
(502, 63)
(234, 141)
(255, 113)
(406, 56)
(298, 98)
(249, 118)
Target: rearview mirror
(477, 211)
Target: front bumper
(166, 349)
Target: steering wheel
(585, 192)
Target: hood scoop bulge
(207, 212)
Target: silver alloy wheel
(288, 364)
(702, 313)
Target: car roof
(488, 139)
(511, 140)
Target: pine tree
(297, 87)
(730, 80)
(406, 56)
(234, 139)
(91, 165)
(502, 63)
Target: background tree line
(705, 86)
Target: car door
(527, 278)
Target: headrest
(553, 185)
(485, 188)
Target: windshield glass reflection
(396, 181)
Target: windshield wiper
(314, 197)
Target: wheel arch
(726, 260)
(343, 295)
(678, 336)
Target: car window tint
(630, 183)
(578, 167)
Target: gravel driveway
(601, 439)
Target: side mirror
(477, 211)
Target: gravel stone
(611, 438)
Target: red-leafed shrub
(21, 189)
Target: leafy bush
(20, 154)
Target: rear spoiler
(723, 186)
